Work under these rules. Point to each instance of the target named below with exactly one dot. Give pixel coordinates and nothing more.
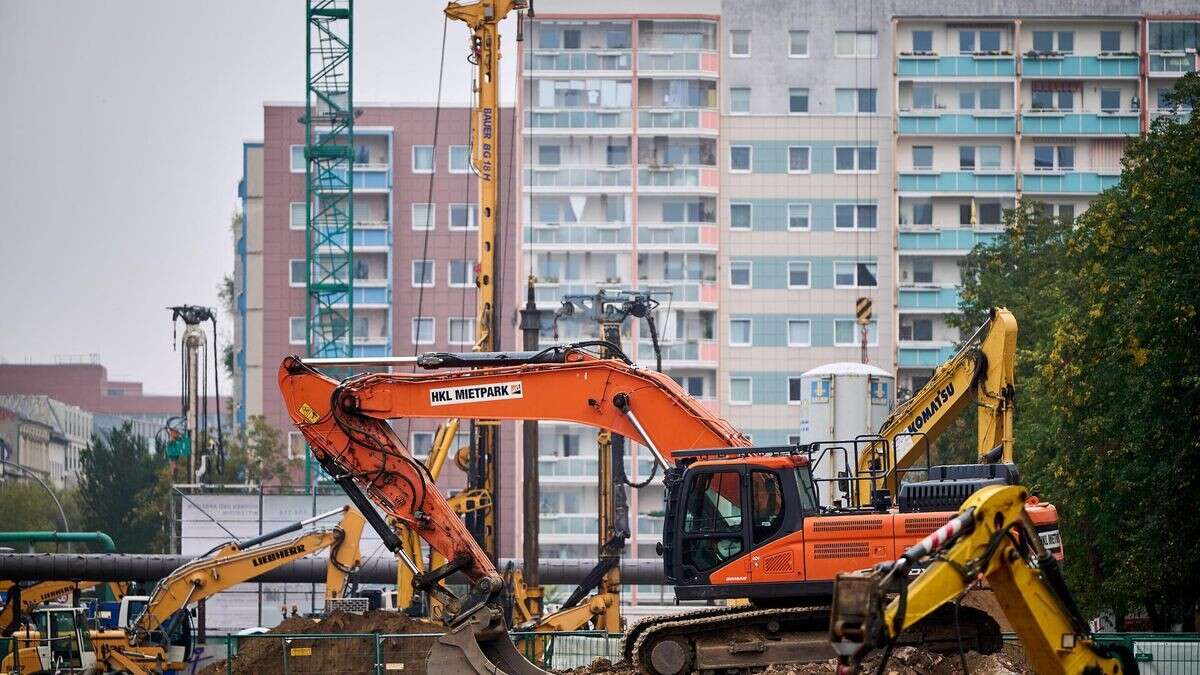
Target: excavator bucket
(479, 644)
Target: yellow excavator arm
(993, 540)
(980, 373)
(237, 562)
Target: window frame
(749, 332)
(791, 94)
(469, 283)
(788, 333)
(472, 217)
(807, 218)
(415, 333)
(470, 340)
(748, 91)
(430, 220)
(913, 153)
(791, 43)
(450, 159)
(292, 282)
(790, 380)
(749, 390)
(292, 340)
(432, 158)
(808, 159)
(750, 220)
(807, 265)
(857, 151)
(412, 276)
(857, 281)
(291, 221)
(749, 274)
(749, 159)
(292, 159)
(1110, 32)
(749, 43)
(856, 55)
(857, 340)
(854, 209)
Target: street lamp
(27, 472)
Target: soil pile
(267, 654)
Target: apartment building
(43, 437)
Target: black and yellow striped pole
(862, 312)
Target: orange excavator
(741, 521)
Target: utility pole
(531, 326)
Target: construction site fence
(377, 654)
(374, 653)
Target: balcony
(365, 238)
(572, 235)
(367, 177)
(682, 353)
(928, 298)
(924, 357)
(673, 63)
(942, 241)
(668, 120)
(580, 470)
(572, 121)
(573, 178)
(678, 237)
(1066, 65)
(969, 65)
(683, 179)
(1054, 123)
(579, 60)
(550, 292)
(371, 350)
(683, 294)
(1171, 64)
(932, 123)
(366, 296)
(970, 182)
(1068, 182)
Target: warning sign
(862, 310)
(300, 651)
(476, 393)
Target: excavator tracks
(747, 639)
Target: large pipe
(102, 567)
(101, 538)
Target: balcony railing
(943, 240)
(925, 357)
(703, 177)
(578, 177)
(699, 119)
(578, 234)
(1067, 65)
(576, 59)
(365, 237)
(687, 351)
(976, 124)
(1067, 123)
(365, 295)
(673, 60)
(1068, 182)
(981, 65)
(578, 119)
(364, 179)
(667, 234)
(1172, 64)
(681, 291)
(552, 292)
(943, 299)
(958, 181)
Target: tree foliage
(26, 506)
(121, 491)
(1108, 422)
(256, 454)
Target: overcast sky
(122, 128)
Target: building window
(855, 275)
(799, 333)
(298, 164)
(855, 216)
(739, 43)
(423, 330)
(855, 160)
(549, 155)
(740, 216)
(924, 97)
(971, 157)
(793, 439)
(422, 273)
(692, 384)
(989, 98)
(740, 157)
(740, 390)
(854, 44)
(847, 333)
(461, 331)
(740, 332)
(1054, 41)
(922, 157)
(1110, 40)
(740, 274)
(297, 330)
(922, 41)
(617, 155)
(922, 271)
(1110, 100)
(298, 219)
(422, 159)
(1044, 99)
(855, 101)
(795, 386)
(295, 445)
(798, 44)
(460, 274)
(916, 330)
(424, 216)
(1054, 157)
(459, 159)
(799, 216)
(990, 213)
(297, 272)
(420, 444)
(739, 100)
(922, 212)
(798, 273)
(797, 100)
(798, 159)
(463, 216)
(986, 40)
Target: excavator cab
(57, 640)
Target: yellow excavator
(28, 597)
(159, 638)
(992, 540)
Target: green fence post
(286, 646)
(378, 655)
(229, 654)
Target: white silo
(838, 402)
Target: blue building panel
(1068, 182)
(957, 124)
(958, 181)
(929, 298)
(957, 66)
(771, 215)
(924, 357)
(944, 240)
(771, 330)
(1081, 66)
(1066, 124)
(772, 156)
(771, 272)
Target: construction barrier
(1160, 653)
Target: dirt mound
(903, 661)
(267, 654)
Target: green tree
(26, 506)
(120, 491)
(257, 454)
(1108, 423)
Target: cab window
(715, 503)
(766, 496)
